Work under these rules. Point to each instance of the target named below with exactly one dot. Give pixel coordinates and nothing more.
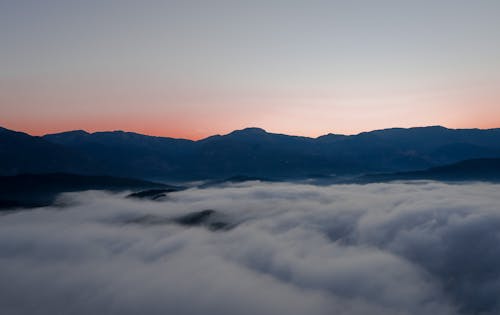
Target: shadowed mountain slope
(30, 190)
(468, 170)
(251, 152)
(22, 153)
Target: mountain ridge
(250, 151)
(264, 131)
(486, 169)
(37, 190)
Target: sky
(192, 69)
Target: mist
(397, 248)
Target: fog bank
(398, 248)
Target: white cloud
(401, 248)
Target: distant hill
(252, 152)
(29, 190)
(22, 153)
(468, 170)
(233, 180)
(130, 154)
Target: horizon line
(242, 129)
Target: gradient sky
(197, 68)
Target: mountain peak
(253, 131)
(331, 136)
(74, 133)
(78, 132)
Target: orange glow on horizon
(195, 112)
(199, 116)
(184, 132)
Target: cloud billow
(400, 248)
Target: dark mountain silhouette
(130, 154)
(155, 194)
(22, 153)
(33, 190)
(468, 170)
(233, 180)
(251, 152)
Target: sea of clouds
(397, 248)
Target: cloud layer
(401, 248)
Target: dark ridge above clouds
(36, 190)
(262, 131)
(251, 152)
(468, 170)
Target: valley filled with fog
(418, 247)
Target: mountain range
(249, 152)
(468, 170)
(37, 190)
